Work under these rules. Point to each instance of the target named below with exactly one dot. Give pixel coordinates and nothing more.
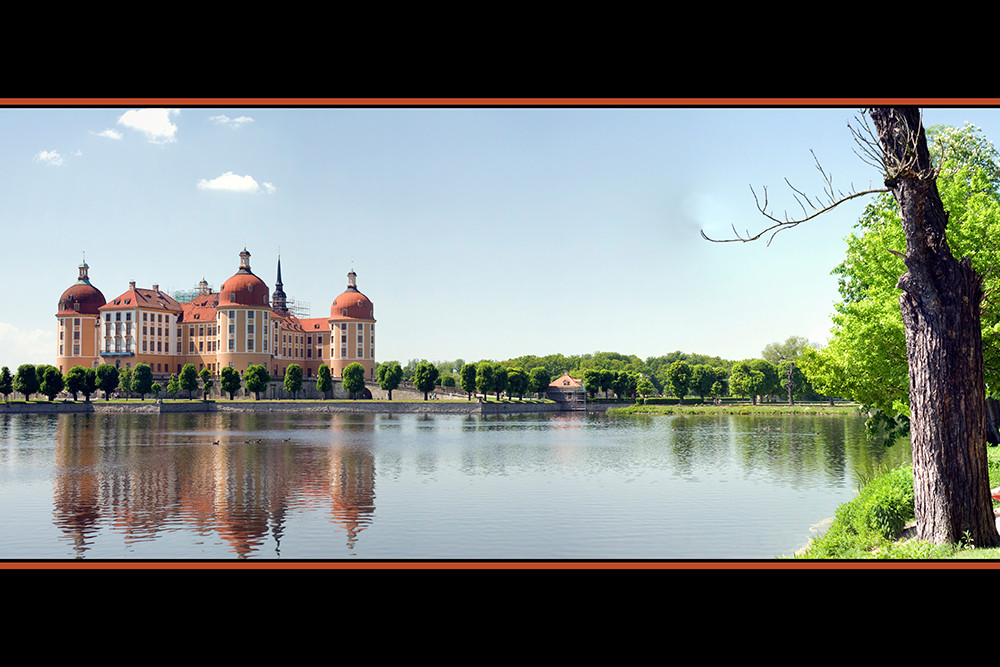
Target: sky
(477, 232)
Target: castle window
(232, 297)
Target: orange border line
(500, 101)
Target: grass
(868, 526)
(737, 409)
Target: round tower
(77, 329)
(352, 330)
(244, 319)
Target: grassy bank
(872, 525)
(737, 409)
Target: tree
(592, 381)
(424, 377)
(173, 385)
(26, 381)
(206, 383)
(703, 378)
(156, 388)
(792, 380)
(389, 374)
(230, 381)
(645, 387)
(517, 382)
(89, 383)
(745, 381)
(107, 379)
(52, 382)
(500, 379)
(125, 381)
(771, 382)
(257, 379)
(940, 300)
(324, 380)
(790, 350)
(485, 371)
(293, 379)
(468, 379)
(679, 379)
(353, 379)
(142, 380)
(539, 380)
(76, 378)
(6, 383)
(188, 379)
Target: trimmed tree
(76, 377)
(353, 379)
(125, 381)
(424, 377)
(107, 379)
(26, 381)
(230, 381)
(206, 382)
(679, 379)
(188, 379)
(52, 382)
(389, 375)
(538, 380)
(293, 379)
(517, 382)
(324, 381)
(257, 378)
(6, 383)
(173, 385)
(142, 380)
(468, 379)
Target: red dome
(356, 305)
(81, 298)
(352, 304)
(244, 288)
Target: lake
(332, 486)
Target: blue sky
(479, 233)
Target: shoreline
(360, 406)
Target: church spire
(278, 298)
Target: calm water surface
(336, 486)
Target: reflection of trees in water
(140, 475)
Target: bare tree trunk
(940, 305)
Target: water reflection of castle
(120, 473)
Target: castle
(238, 326)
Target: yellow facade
(238, 326)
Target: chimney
(131, 284)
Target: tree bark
(940, 305)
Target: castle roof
(140, 297)
(81, 297)
(352, 304)
(243, 288)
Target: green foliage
(52, 381)
(76, 379)
(870, 521)
(26, 380)
(230, 381)
(142, 380)
(790, 350)
(865, 359)
(467, 379)
(125, 381)
(155, 389)
(389, 375)
(107, 379)
(517, 382)
(679, 378)
(206, 382)
(173, 385)
(293, 379)
(257, 379)
(353, 379)
(539, 380)
(188, 379)
(6, 383)
(745, 381)
(703, 380)
(424, 377)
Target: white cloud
(154, 123)
(26, 347)
(233, 183)
(223, 119)
(110, 133)
(52, 158)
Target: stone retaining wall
(426, 407)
